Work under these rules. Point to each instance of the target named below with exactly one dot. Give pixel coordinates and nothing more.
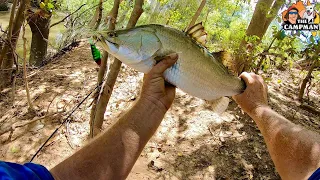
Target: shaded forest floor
(192, 142)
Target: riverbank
(55, 32)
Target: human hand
(155, 89)
(255, 95)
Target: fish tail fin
(219, 105)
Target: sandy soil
(192, 142)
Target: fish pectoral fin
(161, 53)
(219, 105)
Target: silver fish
(196, 72)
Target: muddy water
(55, 31)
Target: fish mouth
(112, 42)
(106, 44)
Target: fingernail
(173, 56)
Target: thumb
(164, 64)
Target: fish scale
(196, 71)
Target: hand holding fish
(155, 89)
(255, 94)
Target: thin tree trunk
(259, 18)
(96, 20)
(13, 90)
(100, 14)
(272, 14)
(9, 36)
(25, 67)
(110, 19)
(197, 14)
(13, 8)
(316, 61)
(8, 52)
(306, 80)
(136, 13)
(113, 74)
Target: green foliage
(277, 51)
(48, 5)
(225, 21)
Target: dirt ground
(192, 142)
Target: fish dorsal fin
(198, 33)
(227, 60)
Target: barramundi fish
(196, 71)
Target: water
(55, 31)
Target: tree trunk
(8, 51)
(264, 13)
(9, 35)
(316, 62)
(136, 13)
(30, 109)
(96, 20)
(197, 14)
(307, 79)
(40, 28)
(113, 73)
(96, 108)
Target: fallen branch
(67, 136)
(63, 51)
(67, 16)
(310, 108)
(14, 126)
(305, 64)
(64, 121)
(34, 120)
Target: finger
(247, 78)
(165, 63)
(170, 89)
(260, 79)
(234, 97)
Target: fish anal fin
(219, 105)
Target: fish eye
(112, 34)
